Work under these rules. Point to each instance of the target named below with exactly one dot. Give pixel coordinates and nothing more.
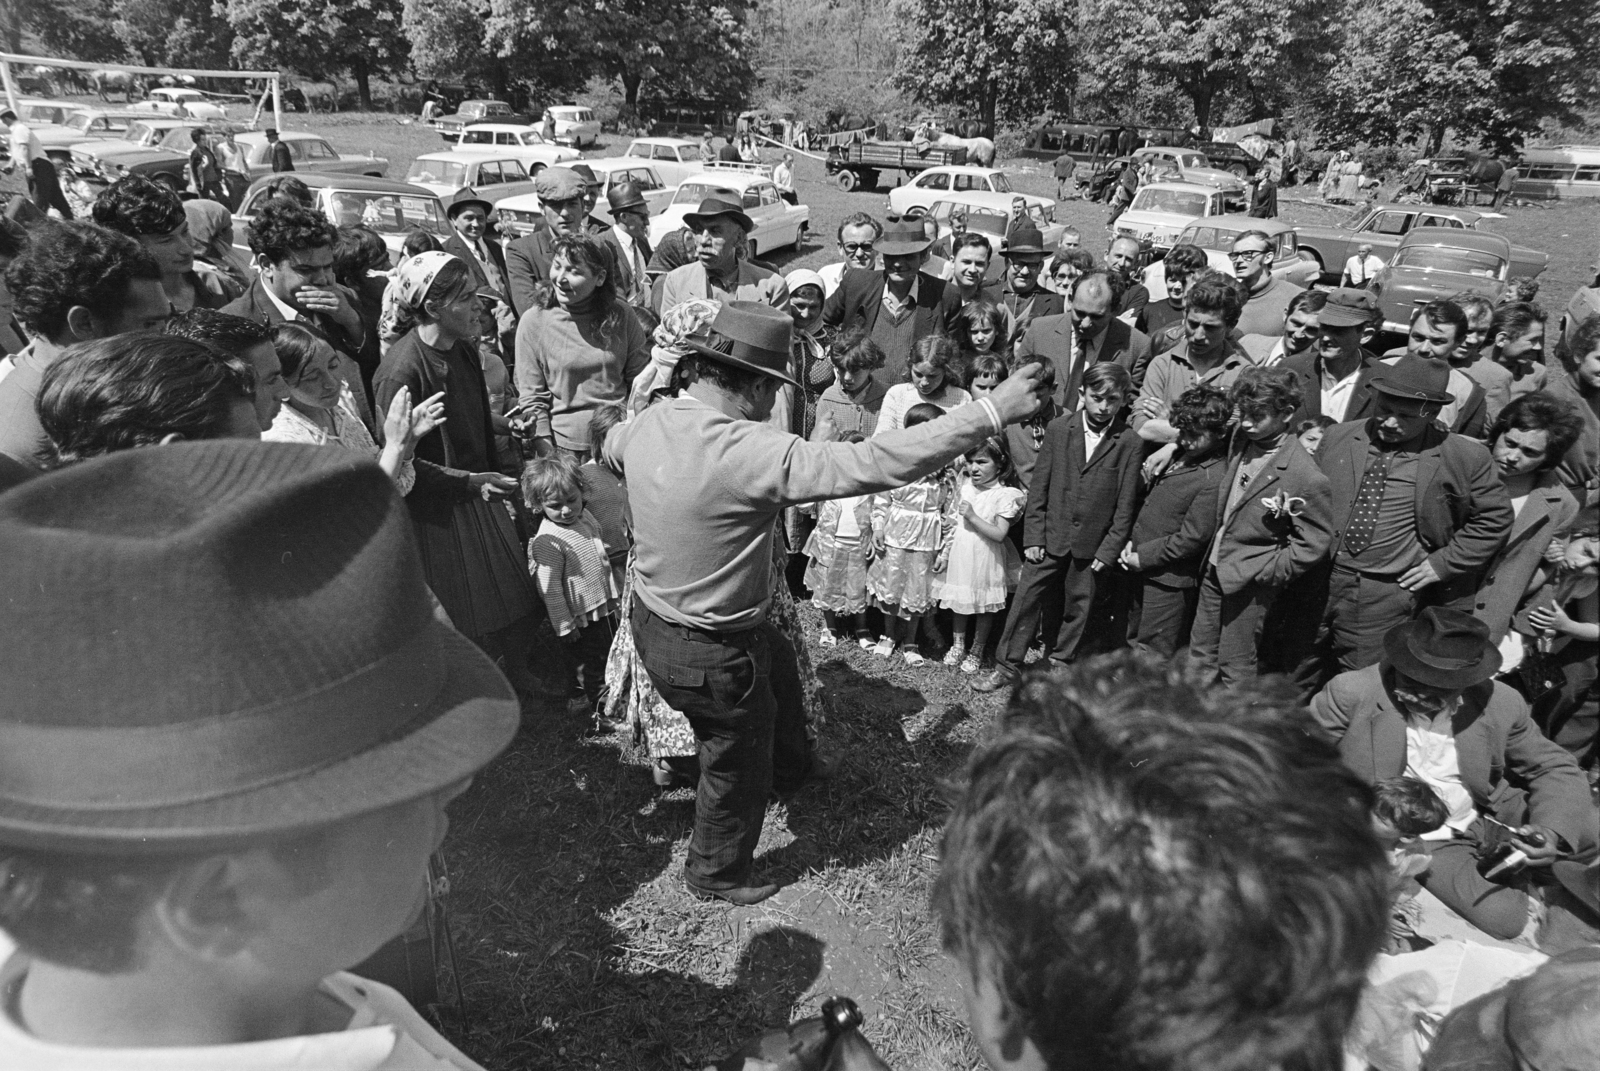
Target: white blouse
(291, 426)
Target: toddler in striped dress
(569, 565)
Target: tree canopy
(320, 37)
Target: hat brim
(1330, 318)
(700, 219)
(470, 720)
(455, 208)
(1397, 652)
(1428, 396)
(1024, 251)
(730, 359)
(901, 249)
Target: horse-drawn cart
(858, 164)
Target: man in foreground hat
(898, 306)
(1437, 331)
(720, 270)
(1418, 512)
(220, 793)
(1024, 295)
(628, 238)
(707, 480)
(563, 198)
(1431, 709)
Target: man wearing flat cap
(593, 184)
(229, 728)
(707, 484)
(720, 270)
(898, 306)
(1418, 513)
(1331, 370)
(1431, 709)
(563, 198)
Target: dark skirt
(476, 566)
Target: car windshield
(1178, 202)
(43, 113)
(438, 172)
(386, 213)
(999, 183)
(687, 153)
(176, 138)
(692, 193)
(1477, 262)
(143, 133)
(1193, 159)
(80, 121)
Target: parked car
(1440, 262)
(519, 140)
(1161, 210)
(522, 214)
(489, 174)
(778, 223)
(575, 126)
(310, 153)
(1230, 157)
(182, 101)
(36, 111)
(1384, 226)
(156, 132)
(474, 111)
(393, 209)
(1188, 165)
(918, 195)
(57, 141)
(991, 213)
(1216, 236)
(675, 159)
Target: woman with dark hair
(580, 351)
(153, 215)
(471, 552)
(1528, 440)
(141, 389)
(322, 412)
(361, 265)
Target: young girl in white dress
(983, 566)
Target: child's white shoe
(884, 648)
(912, 656)
(826, 638)
(954, 656)
(972, 663)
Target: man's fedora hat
(1442, 648)
(585, 172)
(717, 205)
(626, 195)
(213, 643)
(1348, 307)
(1413, 378)
(902, 237)
(751, 335)
(464, 200)
(1024, 239)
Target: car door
(1383, 230)
(516, 178)
(763, 236)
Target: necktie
(1364, 515)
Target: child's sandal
(954, 656)
(972, 663)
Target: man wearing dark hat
(469, 243)
(898, 306)
(563, 198)
(1431, 709)
(279, 155)
(707, 483)
(1024, 295)
(592, 185)
(1437, 331)
(219, 789)
(1331, 371)
(720, 270)
(628, 238)
(1418, 513)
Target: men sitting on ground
(899, 306)
(74, 282)
(187, 878)
(721, 269)
(858, 248)
(1266, 295)
(1430, 708)
(1141, 875)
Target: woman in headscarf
(211, 234)
(471, 552)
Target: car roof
(250, 137)
(522, 202)
(674, 142)
(963, 169)
(119, 113)
(471, 152)
(982, 199)
(1170, 148)
(566, 108)
(1458, 237)
(484, 100)
(613, 163)
(733, 180)
(1238, 222)
(1466, 215)
(514, 128)
(1181, 187)
(321, 180)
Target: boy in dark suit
(1274, 521)
(1081, 504)
(1176, 522)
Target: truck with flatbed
(859, 164)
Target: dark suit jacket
(1547, 512)
(282, 159)
(859, 299)
(1036, 306)
(1501, 753)
(1176, 521)
(527, 265)
(1083, 506)
(254, 304)
(1472, 419)
(620, 261)
(1051, 337)
(457, 247)
(1308, 367)
(1463, 515)
(1261, 545)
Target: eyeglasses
(1246, 254)
(858, 247)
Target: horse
(106, 83)
(980, 151)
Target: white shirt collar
(289, 312)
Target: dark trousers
(1056, 595)
(741, 694)
(45, 185)
(588, 653)
(1161, 616)
(1226, 640)
(1353, 611)
(1498, 910)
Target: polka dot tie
(1364, 516)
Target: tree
(1212, 52)
(74, 29)
(173, 33)
(1007, 59)
(321, 37)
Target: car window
(662, 152)
(1204, 237)
(439, 172)
(999, 183)
(689, 153)
(513, 171)
(586, 116)
(252, 206)
(752, 198)
(1179, 202)
(489, 174)
(638, 150)
(940, 210)
(505, 137)
(1440, 221)
(386, 213)
(1391, 222)
(692, 193)
(964, 181)
(1478, 262)
(1233, 201)
(1587, 174)
(317, 149)
(769, 195)
(935, 182)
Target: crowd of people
(1347, 599)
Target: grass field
(579, 947)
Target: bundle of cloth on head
(680, 325)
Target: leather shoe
(740, 896)
(994, 682)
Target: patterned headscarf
(407, 290)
